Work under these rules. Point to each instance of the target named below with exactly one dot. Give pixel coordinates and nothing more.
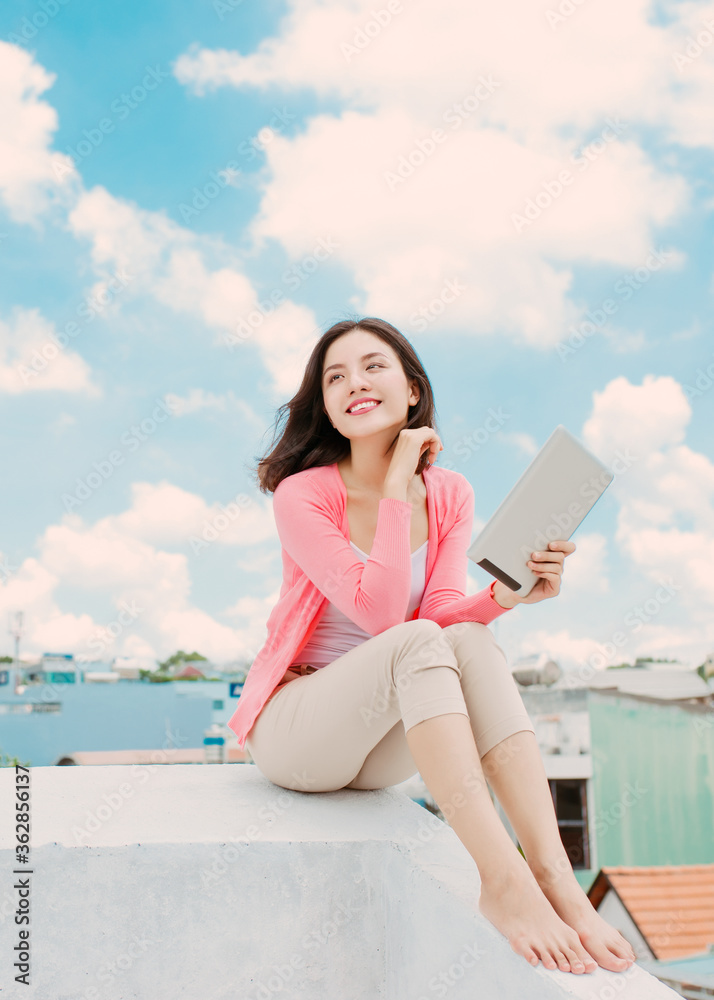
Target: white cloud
(586, 569)
(639, 419)
(168, 262)
(285, 339)
(253, 613)
(509, 128)
(675, 642)
(124, 237)
(116, 558)
(29, 584)
(166, 514)
(32, 358)
(198, 400)
(30, 589)
(428, 57)
(160, 258)
(219, 297)
(62, 633)
(665, 524)
(104, 557)
(146, 251)
(663, 547)
(438, 249)
(689, 101)
(567, 650)
(29, 181)
(525, 443)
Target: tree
(179, 658)
(8, 760)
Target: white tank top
(335, 634)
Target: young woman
(377, 665)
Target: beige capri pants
(344, 725)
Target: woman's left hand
(548, 566)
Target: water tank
(539, 668)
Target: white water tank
(538, 668)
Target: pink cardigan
(319, 565)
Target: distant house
(57, 668)
(664, 911)
(629, 757)
(562, 725)
(189, 670)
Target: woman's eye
(373, 365)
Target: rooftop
(211, 882)
(672, 905)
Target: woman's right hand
(410, 446)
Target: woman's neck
(415, 488)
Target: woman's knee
(471, 631)
(427, 646)
(421, 628)
(428, 635)
(472, 634)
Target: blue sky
(182, 164)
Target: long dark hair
(308, 438)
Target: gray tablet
(549, 501)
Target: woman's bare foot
(567, 897)
(516, 906)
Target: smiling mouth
(364, 409)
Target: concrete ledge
(210, 882)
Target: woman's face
(380, 377)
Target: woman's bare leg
(514, 769)
(445, 753)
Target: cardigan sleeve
(445, 599)
(375, 595)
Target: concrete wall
(209, 882)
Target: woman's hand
(548, 566)
(411, 445)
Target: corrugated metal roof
(672, 905)
(669, 685)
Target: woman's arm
(375, 595)
(444, 599)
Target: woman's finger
(561, 544)
(545, 567)
(555, 556)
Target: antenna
(16, 630)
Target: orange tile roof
(672, 905)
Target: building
(50, 716)
(629, 756)
(664, 911)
